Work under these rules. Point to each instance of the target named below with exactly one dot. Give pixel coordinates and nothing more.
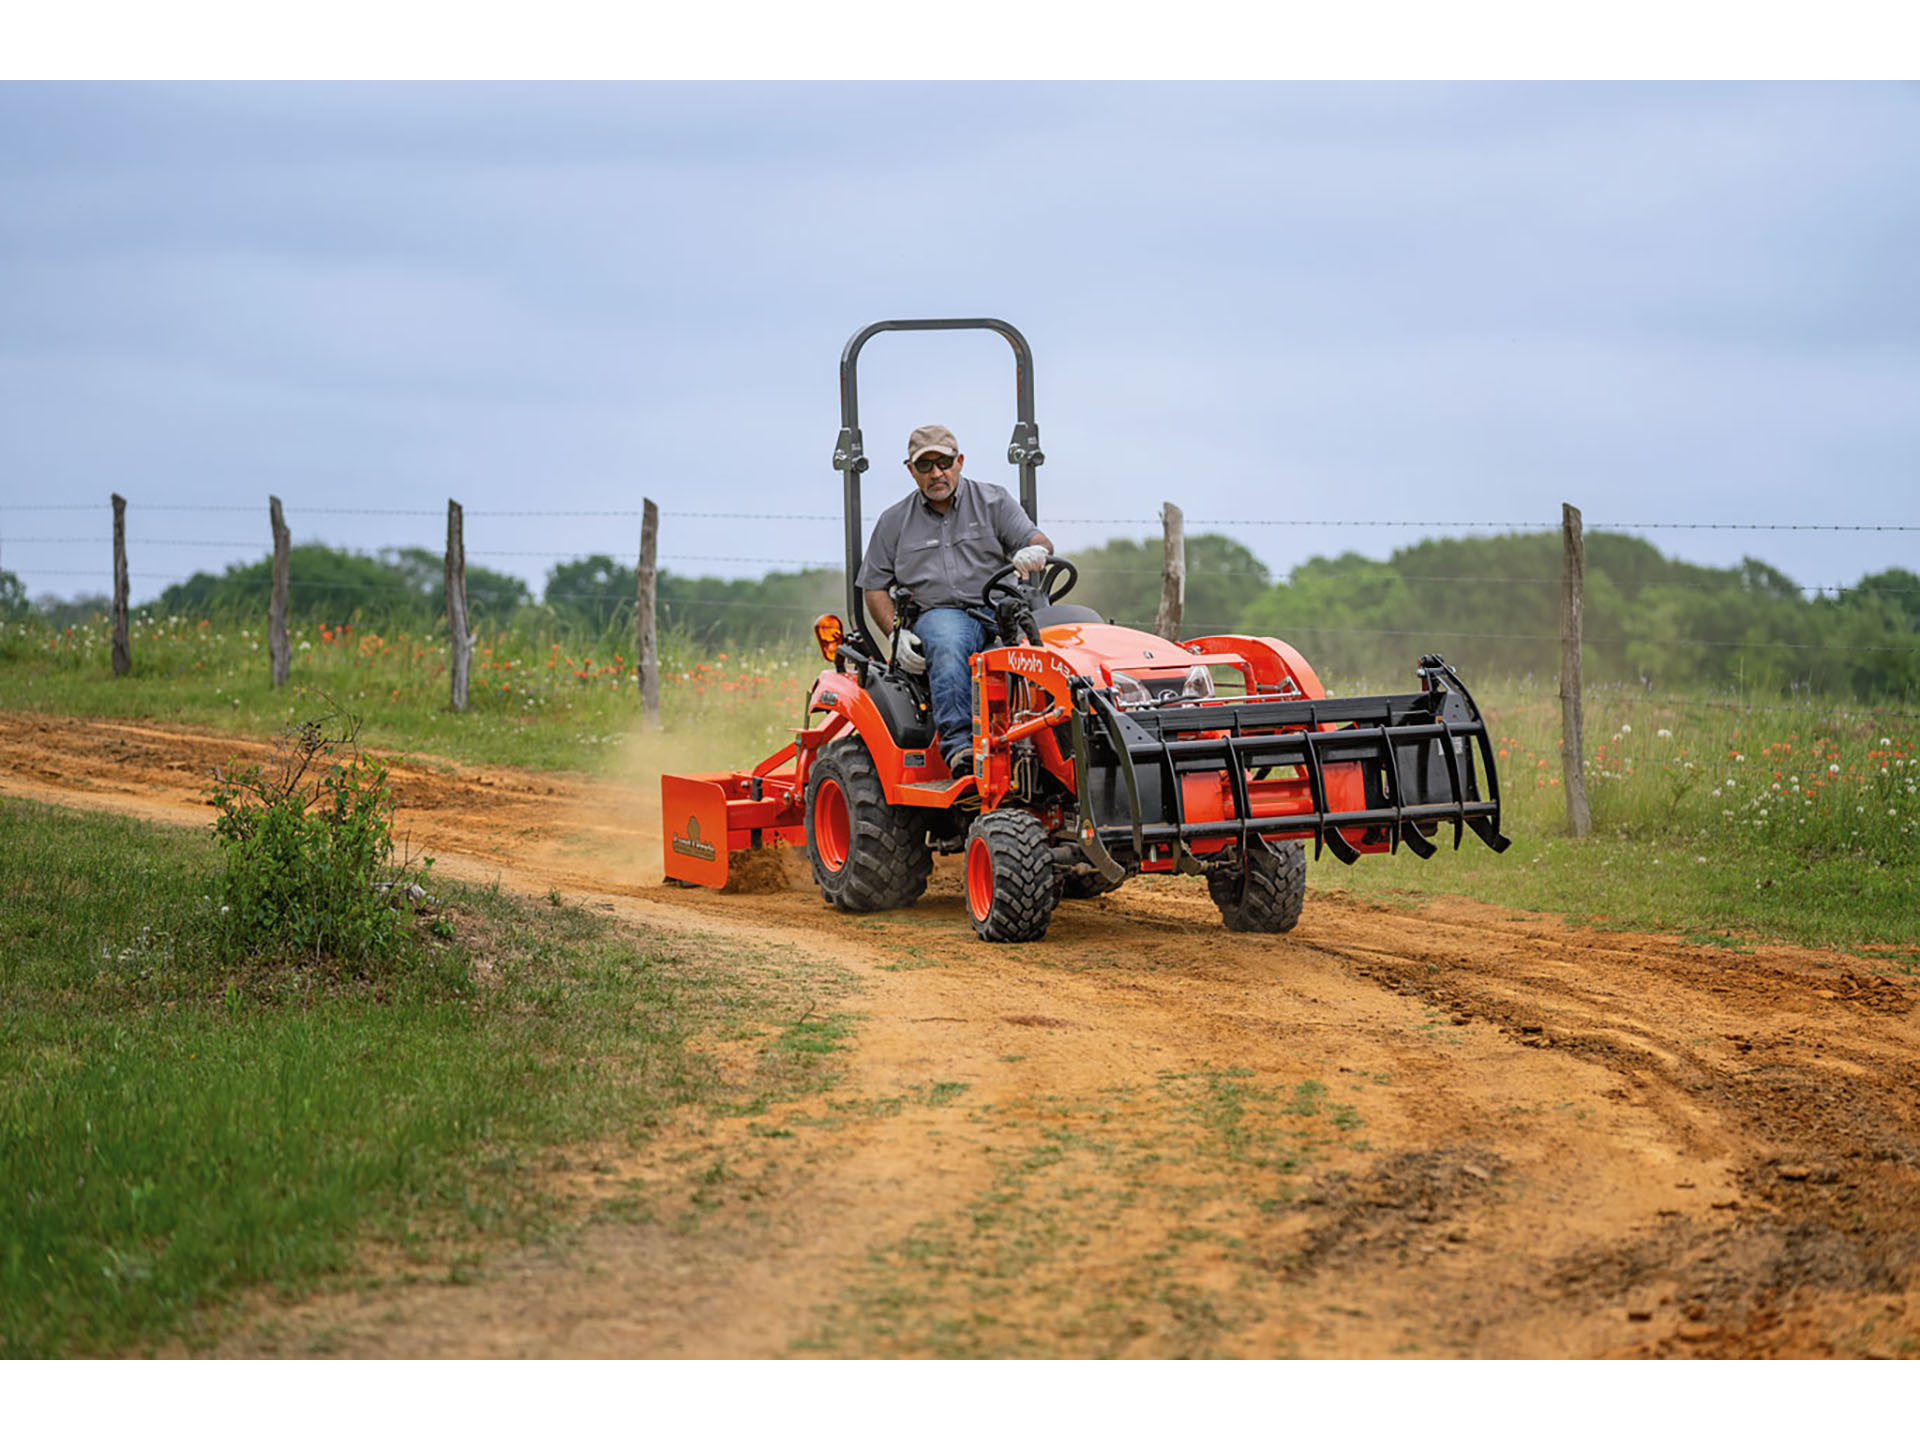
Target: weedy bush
(306, 846)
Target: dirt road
(1455, 1131)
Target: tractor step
(938, 793)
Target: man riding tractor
(1058, 752)
(942, 544)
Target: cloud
(1271, 300)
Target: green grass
(1712, 817)
(173, 1135)
(538, 697)
(1714, 814)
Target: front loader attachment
(1160, 787)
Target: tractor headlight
(1162, 689)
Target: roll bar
(849, 451)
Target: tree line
(1490, 604)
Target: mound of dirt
(764, 871)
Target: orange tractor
(1099, 752)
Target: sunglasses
(927, 464)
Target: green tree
(492, 597)
(1121, 580)
(325, 584)
(78, 610)
(599, 592)
(13, 597)
(1491, 605)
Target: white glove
(1032, 559)
(908, 654)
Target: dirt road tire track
(1549, 1141)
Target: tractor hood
(1097, 651)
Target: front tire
(1010, 889)
(1264, 894)
(867, 855)
(1087, 887)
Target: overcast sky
(1451, 304)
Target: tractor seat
(1045, 615)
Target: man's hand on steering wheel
(1052, 568)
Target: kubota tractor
(1099, 752)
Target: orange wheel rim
(979, 879)
(832, 830)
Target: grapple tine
(1418, 843)
(1453, 778)
(1484, 827)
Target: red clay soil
(1444, 1131)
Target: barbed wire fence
(648, 612)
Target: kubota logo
(1030, 662)
(691, 844)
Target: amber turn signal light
(829, 632)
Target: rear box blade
(693, 819)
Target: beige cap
(931, 437)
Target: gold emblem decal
(691, 844)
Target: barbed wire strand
(1730, 584)
(1288, 523)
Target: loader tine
(1399, 797)
(1111, 719)
(1418, 843)
(1341, 847)
(1453, 778)
(1484, 828)
(1317, 790)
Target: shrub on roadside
(306, 845)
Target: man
(944, 543)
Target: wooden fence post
(1572, 600)
(1173, 572)
(122, 647)
(279, 652)
(459, 637)
(646, 630)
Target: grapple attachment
(1160, 787)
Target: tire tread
(1024, 892)
(888, 861)
(1266, 896)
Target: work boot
(960, 762)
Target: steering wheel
(1000, 584)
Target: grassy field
(1717, 815)
(555, 700)
(1713, 817)
(174, 1134)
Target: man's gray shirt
(945, 560)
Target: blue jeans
(951, 638)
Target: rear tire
(1265, 894)
(867, 855)
(1010, 889)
